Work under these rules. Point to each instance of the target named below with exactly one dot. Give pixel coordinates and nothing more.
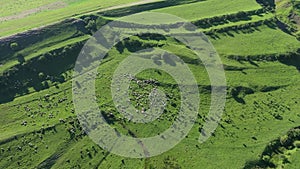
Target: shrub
(266, 158)
(45, 84)
(277, 116)
(41, 75)
(284, 140)
(14, 46)
(49, 55)
(42, 58)
(297, 143)
(294, 134)
(21, 58)
(298, 36)
(241, 14)
(91, 25)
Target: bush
(266, 158)
(294, 134)
(298, 36)
(21, 58)
(91, 25)
(14, 46)
(42, 58)
(277, 116)
(241, 14)
(297, 144)
(41, 75)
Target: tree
(14, 46)
(241, 15)
(21, 58)
(171, 163)
(298, 38)
(41, 75)
(91, 25)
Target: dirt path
(55, 5)
(60, 4)
(128, 5)
(141, 2)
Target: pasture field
(294, 161)
(252, 19)
(28, 15)
(210, 8)
(241, 122)
(39, 127)
(260, 40)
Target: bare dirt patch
(296, 18)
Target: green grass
(36, 120)
(294, 159)
(209, 8)
(254, 18)
(29, 155)
(39, 51)
(248, 124)
(240, 122)
(9, 8)
(38, 19)
(265, 40)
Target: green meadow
(65, 9)
(203, 9)
(259, 127)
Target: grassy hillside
(257, 41)
(39, 127)
(203, 9)
(22, 15)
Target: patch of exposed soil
(296, 18)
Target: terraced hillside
(260, 51)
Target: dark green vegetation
(261, 57)
(277, 153)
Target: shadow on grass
(38, 72)
(292, 59)
(238, 93)
(255, 164)
(275, 148)
(266, 3)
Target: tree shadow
(37, 72)
(292, 59)
(238, 93)
(254, 164)
(253, 63)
